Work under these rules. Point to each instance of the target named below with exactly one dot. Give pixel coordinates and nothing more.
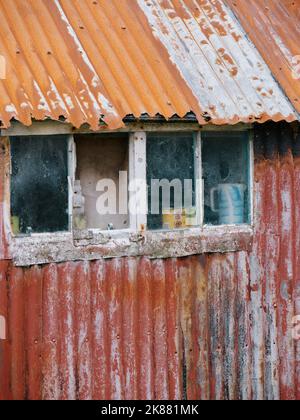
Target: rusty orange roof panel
(86, 61)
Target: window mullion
(138, 181)
(199, 179)
(71, 177)
(251, 175)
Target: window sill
(93, 245)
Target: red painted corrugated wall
(217, 326)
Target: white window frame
(72, 162)
(199, 179)
(137, 171)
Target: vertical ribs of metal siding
(242, 313)
(5, 349)
(296, 154)
(16, 330)
(257, 264)
(272, 257)
(200, 329)
(68, 351)
(215, 328)
(51, 313)
(145, 325)
(287, 264)
(33, 331)
(174, 331)
(100, 350)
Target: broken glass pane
(171, 181)
(225, 160)
(39, 184)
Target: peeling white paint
(75, 38)
(90, 94)
(25, 105)
(68, 101)
(95, 82)
(280, 44)
(59, 101)
(105, 104)
(43, 105)
(11, 109)
(2, 328)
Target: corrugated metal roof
(84, 60)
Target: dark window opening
(39, 184)
(171, 173)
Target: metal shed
(210, 322)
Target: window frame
(137, 240)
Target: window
(171, 180)
(193, 178)
(39, 184)
(101, 182)
(162, 181)
(225, 160)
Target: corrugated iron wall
(210, 326)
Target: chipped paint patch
(95, 82)
(2, 328)
(11, 109)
